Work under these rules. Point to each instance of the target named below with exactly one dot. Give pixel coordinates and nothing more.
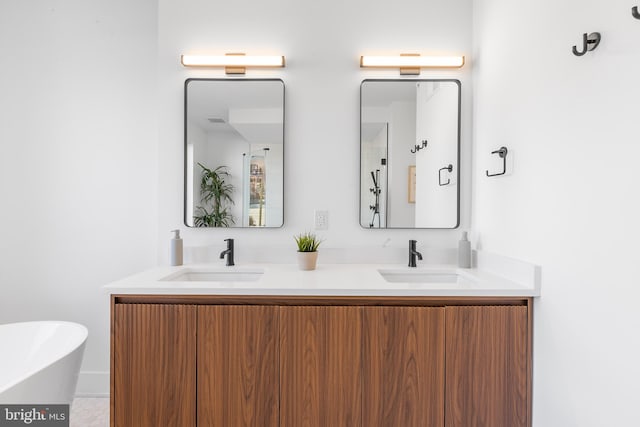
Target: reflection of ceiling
(252, 108)
(260, 133)
(381, 94)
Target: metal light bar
(234, 63)
(411, 62)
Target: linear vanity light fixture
(233, 63)
(411, 63)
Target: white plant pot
(307, 260)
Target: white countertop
(328, 280)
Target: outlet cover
(321, 220)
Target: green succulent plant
(307, 242)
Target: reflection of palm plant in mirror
(216, 192)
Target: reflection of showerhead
(375, 177)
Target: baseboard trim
(93, 384)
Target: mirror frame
(457, 224)
(185, 143)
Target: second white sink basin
(214, 275)
(420, 276)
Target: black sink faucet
(413, 253)
(229, 252)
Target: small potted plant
(307, 250)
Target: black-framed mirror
(410, 153)
(234, 153)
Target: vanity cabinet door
(238, 383)
(487, 363)
(321, 366)
(154, 365)
(403, 366)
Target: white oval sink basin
(420, 276)
(218, 275)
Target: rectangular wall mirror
(234, 152)
(409, 153)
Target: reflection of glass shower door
(374, 177)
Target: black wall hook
(502, 152)
(589, 42)
(418, 147)
(635, 13)
(447, 168)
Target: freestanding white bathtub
(40, 361)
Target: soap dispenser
(175, 252)
(464, 251)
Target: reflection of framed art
(412, 184)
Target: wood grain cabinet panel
(154, 365)
(487, 365)
(320, 366)
(238, 383)
(403, 366)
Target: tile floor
(90, 412)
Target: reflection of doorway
(256, 192)
(257, 214)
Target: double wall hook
(447, 168)
(635, 13)
(502, 152)
(419, 147)
(589, 42)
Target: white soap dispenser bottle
(464, 251)
(175, 252)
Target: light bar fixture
(233, 63)
(411, 63)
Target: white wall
(571, 202)
(437, 106)
(198, 142)
(322, 43)
(79, 160)
(402, 137)
(91, 122)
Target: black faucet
(229, 252)
(413, 253)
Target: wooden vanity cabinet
(189, 365)
(153, 365)
(327, 362)
(237, 362)
(321, 366)
(403, 369)
(488, 366)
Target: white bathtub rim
(79, 341)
